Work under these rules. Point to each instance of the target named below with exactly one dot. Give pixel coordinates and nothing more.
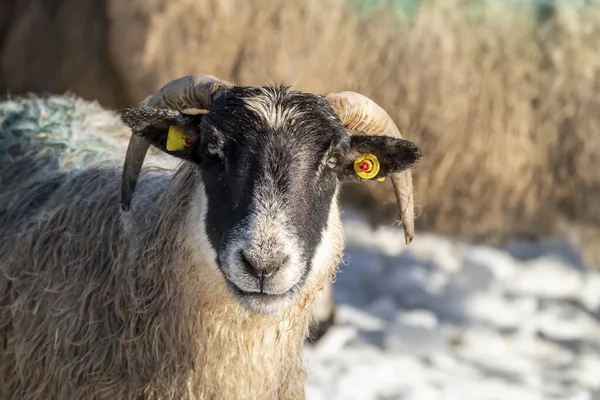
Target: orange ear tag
(176, 139)
(367, 166)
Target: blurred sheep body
(96, 303)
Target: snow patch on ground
(441, 319)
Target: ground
(442, 319)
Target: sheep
(192, 283)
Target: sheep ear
(173, 132)
(375, 157)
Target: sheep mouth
(261, 302)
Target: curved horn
(193, 91)
(359, 113)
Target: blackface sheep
(188, 284)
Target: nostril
(267, 273)
(275, 264)
(248, 265)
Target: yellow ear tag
(176, 140)
(367, 166)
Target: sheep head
(271, 162)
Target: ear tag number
(367, 167)
(176, 140)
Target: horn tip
(124, 207)
(409, 233)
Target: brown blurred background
(502, 96)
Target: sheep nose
(262, 268)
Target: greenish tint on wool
(79, 132)
(409, 8)
(46, 134)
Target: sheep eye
(332, 162)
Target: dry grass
(502, 98)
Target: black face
(271, 161)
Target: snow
(442, 319)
